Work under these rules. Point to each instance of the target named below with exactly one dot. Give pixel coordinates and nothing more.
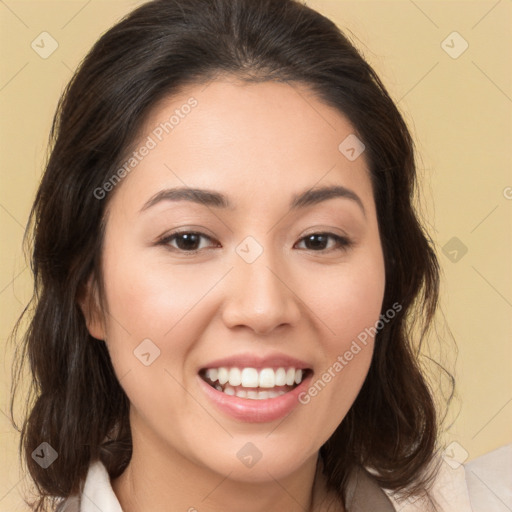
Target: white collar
(98, 493)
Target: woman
(227, 264)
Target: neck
(157, 479)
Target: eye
(190, 242)
(319, 241)
(186, 241)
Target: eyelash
(344, 243)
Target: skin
(259, 144)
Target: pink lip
(255, 411)
(258, 362)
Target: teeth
(252, 394)
(212, 374)
(223, 375)
(235, 377)
(249, 378)
(281, 377)
(267, 378)
(252, 378)
(232, 381)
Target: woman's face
(266, 277)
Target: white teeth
(252, 394)
(290, 376)
(223, 375)
(267, 378)
(212, 374)
(280, 377)
(229, 391)
(252, 378)
(235, 377)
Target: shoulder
(481, 485)
(447, 493)
(463, 488)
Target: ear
(88, 300)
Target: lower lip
(252, 410)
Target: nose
(260, 296)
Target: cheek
(152, 324)
(348, 302)
(348, 298)
(150, 299)
(168, 305)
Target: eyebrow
(214, 199)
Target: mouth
(252, 383)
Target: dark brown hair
(77, 404)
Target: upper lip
(247, 360)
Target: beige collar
(363, 494)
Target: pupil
(322, 239)
(190, 239)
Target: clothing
(449, 494)
(489, 480)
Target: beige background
(458, 108)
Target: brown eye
(319, 242)
(185, 241)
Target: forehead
(247, 139)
